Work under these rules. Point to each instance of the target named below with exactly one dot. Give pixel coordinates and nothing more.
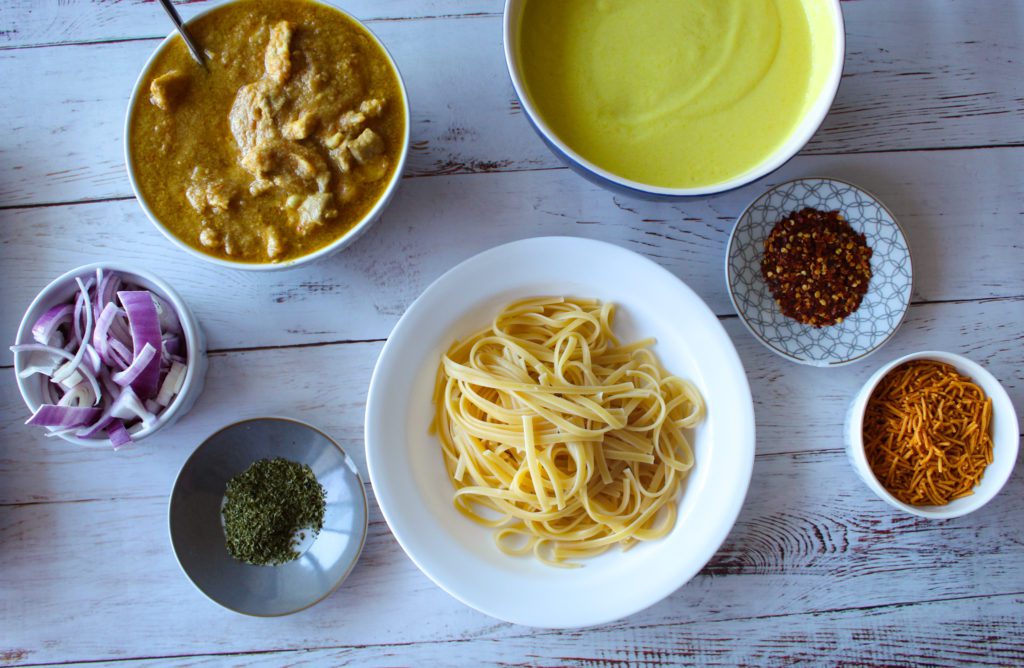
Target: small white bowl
(338, 244)
(813, 117)
(61, 290)
(1005, 436)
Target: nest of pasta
(558, 436)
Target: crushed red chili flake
(816, 266)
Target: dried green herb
(266, 505)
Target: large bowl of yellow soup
(283, 149)
(675, 97)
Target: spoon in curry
(196, 52)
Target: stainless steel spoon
(196, 52)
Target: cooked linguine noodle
(561, 438)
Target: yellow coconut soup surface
(673, 93)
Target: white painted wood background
(930, 116)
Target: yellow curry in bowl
(282, 145)
(675, 94)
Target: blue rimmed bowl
(883, 307)
(829, 57)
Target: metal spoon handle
(193, 49)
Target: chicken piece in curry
(282, 145)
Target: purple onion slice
(113, 357)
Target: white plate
(413, 488)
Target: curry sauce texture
(282, 145)
(673, 93)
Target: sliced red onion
(61, 432)
(81, 301)
(108, 287)
(97, 303)
(126, 407)
(64, 416)
(72, 375)
(79, 395)
(100, 334)
(138, 365)
(172, 383)
(171, 344)
(44, 363)
(47, 325)
(118, 434)
(40, 348)
(145, 324)
(120, 354)
(120, 329)
(76, 330)
(112, 371)
(129, 406)
(105, 295)
(52, 393)
(93, 358)
(111, 389)
(67, 370)
(168, 318)
(97, 428)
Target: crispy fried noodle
(927, 433)
(563, 440)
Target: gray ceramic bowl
(197, 532)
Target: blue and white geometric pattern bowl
(881, 311)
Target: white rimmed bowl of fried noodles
(416, 493)
(1005, 435)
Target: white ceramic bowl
(413, 488)
(809, 124)
(330, 249)
(61, 290)
(1005, 438)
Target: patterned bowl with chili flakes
(882, 308)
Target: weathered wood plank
(962, 200)
(461, 110)
(809, 542)
(959, 60)
(816, 570)
(34, 23)
(916, 77)
(946, 633)
(798, 409)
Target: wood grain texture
(459, 97)
(963, 200)
(915, 78)
(933, 634)
(798, 409)
(34, 23)
(809, 541)
(816, 570)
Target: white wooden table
(930, 116)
